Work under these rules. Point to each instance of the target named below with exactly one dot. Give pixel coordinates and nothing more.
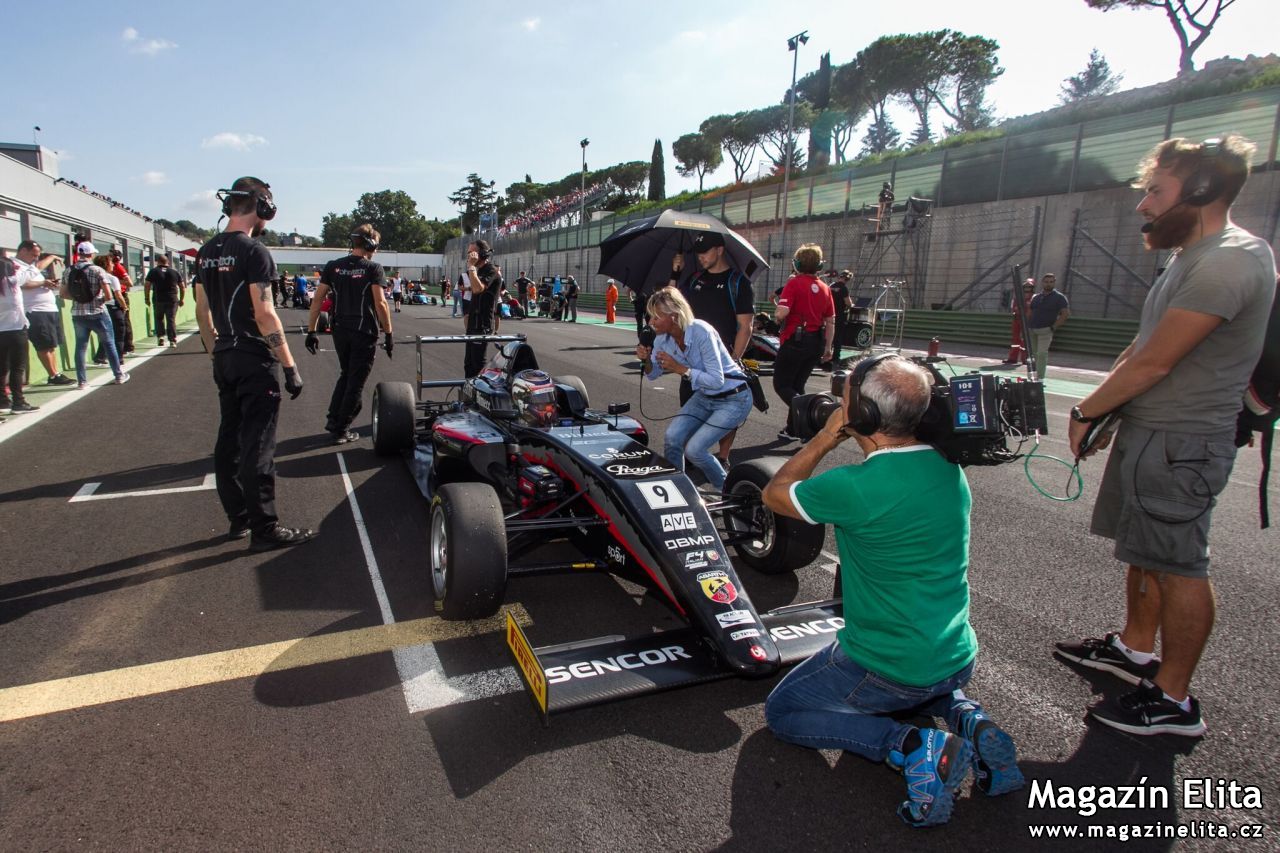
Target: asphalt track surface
(161, 689)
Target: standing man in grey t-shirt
(1179, 386)
(1049, 310)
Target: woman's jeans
(830, 702)
(701, 424)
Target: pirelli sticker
(527, 663)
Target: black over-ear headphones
(1204, 185)
(265, 208)
(365, 241)
(864, 414)
(795, 265)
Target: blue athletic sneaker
(934, 770)
(995, 756)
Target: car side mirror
(619, 408)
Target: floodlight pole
(582, 210)
(793, 45)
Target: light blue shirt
(712, 369)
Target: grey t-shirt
(1231, 275)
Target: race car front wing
(592, 672)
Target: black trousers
(474, 360)
(244, 464)
(166, 319)
(355, 360)
(120, 327)
(642, 316)
(13, 362)
(796, 361)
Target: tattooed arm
(269, 325)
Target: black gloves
(312, 343)
(388, 344)
(292, 382)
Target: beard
(1173, 229)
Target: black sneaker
(1103, 655)
(61, 379)
(1146, 711)
(6, 404)
(23, 406)
(238, 530)
(783, 435)
(346, 437)
(280, 537)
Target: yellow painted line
(133, 682)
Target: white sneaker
(122, 378)
(173, 344)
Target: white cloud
(234, 141)
(149, 47)
(205, 201)
(153, 179)
(693, 36)
(532, 24)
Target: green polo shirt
(902, 528)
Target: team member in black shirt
(721, 296)
(571, 292)
(486, 283)
(164, 291)
(239, 326)
(359, 310)
(839, 296)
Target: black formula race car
(515, 458)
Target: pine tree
(657, 173)
(1095, 80)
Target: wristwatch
(1078, 416)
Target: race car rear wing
(419, 340)
(592, 672)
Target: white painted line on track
(17, 424)
(422, 675)
(88, 492)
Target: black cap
(706, 240)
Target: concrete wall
(959, 243)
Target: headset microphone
(1148, 227)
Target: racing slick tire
(393, 413)
(777, 544)
(574, 382)
(467, 551)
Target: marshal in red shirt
(808, 299)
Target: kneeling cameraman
(902, 528)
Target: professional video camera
(968, 420)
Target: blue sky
(159, 104)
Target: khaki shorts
(1157, 495)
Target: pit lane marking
(134, 682)
(422, 677)
(88, 492)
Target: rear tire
(778, 544)
(468, 551)
(393, 415)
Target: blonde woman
(721, 399)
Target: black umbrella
(639, 254)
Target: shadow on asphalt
(19, 598)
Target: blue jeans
(830, 702)
(701, 424)
(457, 303)
(100, 323)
